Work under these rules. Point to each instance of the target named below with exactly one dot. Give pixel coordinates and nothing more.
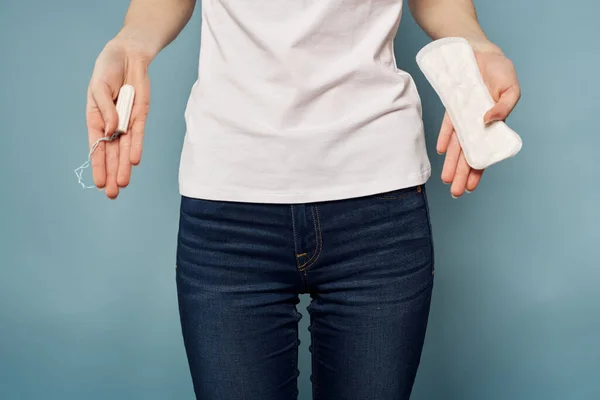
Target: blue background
(87, 293)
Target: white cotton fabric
(450, 66)
(301, 101)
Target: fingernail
(467, 191)
(453, 196)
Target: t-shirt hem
(314, 196)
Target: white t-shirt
(301, 101)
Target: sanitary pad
(450, 66)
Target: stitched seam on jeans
(403, 196)
(315, 369)
(297, 316)
(318, 239)
(301, 267)
(432, 249)
(294, 234)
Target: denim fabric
(367, 264)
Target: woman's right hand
(122, 61)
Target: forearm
(151, 25)
(444, 18)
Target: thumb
(506, 103)
(445, 134)
(104, 98)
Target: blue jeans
(367, 264)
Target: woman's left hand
(500, 77)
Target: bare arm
(151, 25)
(443, 18)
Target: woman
(302, 171)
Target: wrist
(483, 45)
(136, 42)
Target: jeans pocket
(399, 194)
(429, 225)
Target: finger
(506, 103)
(474, 179)
(95, 125)
(139, 113)
(124, 170)
(112, 166)
(137, 140)
(445, 134)
(104, 97)
(459, 183)
(98, 158)
(452, 155)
